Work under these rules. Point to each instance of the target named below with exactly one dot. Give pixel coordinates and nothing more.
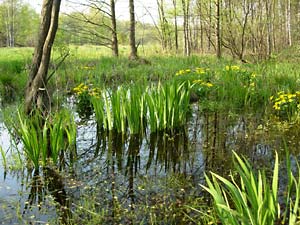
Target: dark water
(114, 171)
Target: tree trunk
(115, 47)
(288, 23)
(199, 10)
(218, 30)
(209, 26)
(269, 28)
(175, 25)
(12, 25)
(133, 53)
(36, 95)
(185, 7)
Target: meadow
(165, 139)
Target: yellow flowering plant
(195, 71)
(286, 104)
(83, 93)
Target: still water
(114, 171)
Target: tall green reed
(168, 105)
(160, 107)
(250, 198)
(291, 212)
(4, 162)
(45, 140)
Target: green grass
(94, 65)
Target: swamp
(133, 153)
(197, 121)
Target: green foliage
(168, 106)
(45, 139)
(25, 22)
(4, 162)
(12, 73)
(250, 198)
(161, 107)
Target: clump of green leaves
(44, 139)
(250, 198)
(159, 107)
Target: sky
(142, 9)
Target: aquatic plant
(161, 107)
(291, 214)
(135, 109)
(167, 105)
(46, 141)
(3, 157)
(250, 198)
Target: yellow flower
(276, 106)
(235, 67)
(252, 84)
(200, 70)
(180, 72)
(232, 68)
(208, 84)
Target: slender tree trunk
(185, 6)
(199, 4)
(269, 35)
(133, 53)
(247, 10)
(253, 36)
(12, 25)
(7, 27)
(175, 25)
(36, 95)
(218, 30)
(210, 25)
(115, 46)
(288, 23)
(160, 6)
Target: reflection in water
(116, 171)
(44, 185)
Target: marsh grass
(45, 140)
(250, 198)
(92, 64)
(4, 162)
(159, 107)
